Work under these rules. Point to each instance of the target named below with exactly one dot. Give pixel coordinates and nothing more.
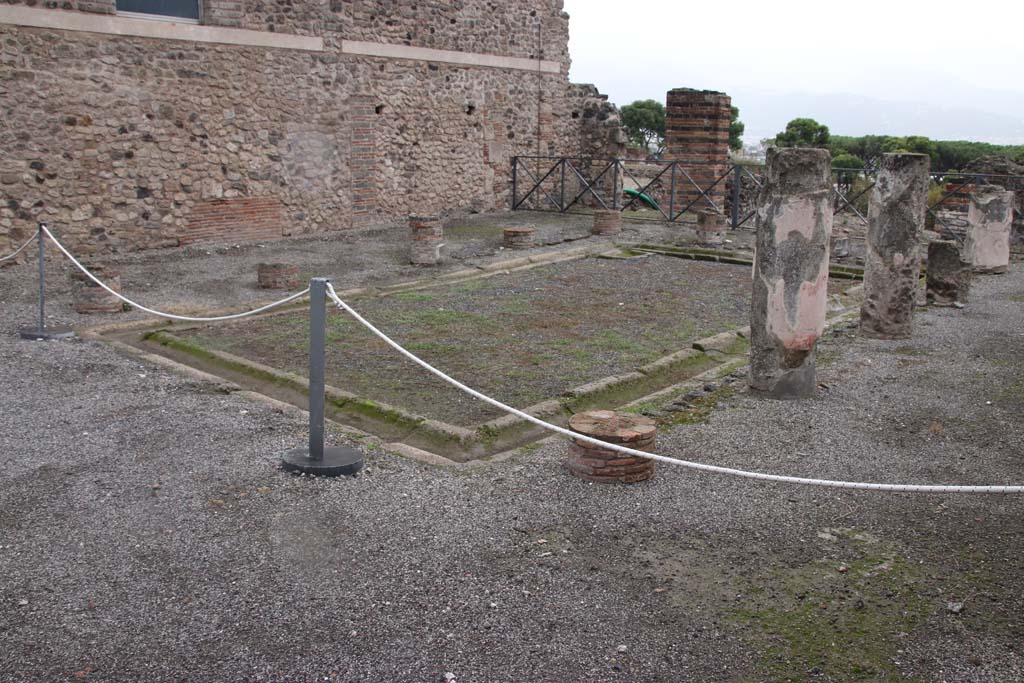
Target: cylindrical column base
(603, 465)
(426, 234)
(710, 227)
(277, 276)
(89, 298)
(607, 222)
(521, 237)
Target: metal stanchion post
(737, 187)
(317, 459)
(42, 331)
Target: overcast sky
(953, 68)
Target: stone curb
(719, 342)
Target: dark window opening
(181, 9)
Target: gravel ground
(146, 533)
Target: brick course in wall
(246, 218)
(128, 142)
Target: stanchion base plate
(337, 461)
(47, 333)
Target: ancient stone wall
(129, 142)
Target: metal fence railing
(670, 190)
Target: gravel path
(146, 533)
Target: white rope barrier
(19, 249)
(161, 314)
(864, 486)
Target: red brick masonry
(518, 238)
(244, 219)
(603, 465)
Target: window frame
(170, 18)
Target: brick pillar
(697, 136)
(790, 289)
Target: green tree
(736, 129)
(847, 160)
(803, 133)
(644, 121)
(851, 164)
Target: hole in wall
(379, 109)
(470, 109)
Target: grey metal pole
(42, 278)
(316, 458)
(317, 343)
(615, 185)
(561, 200)
(672, 194)
(737, 184)
(41, 331)
(515, 173)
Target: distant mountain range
(766, 114)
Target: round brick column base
(603, 465)
(277, 276)
(710, 227)
(522, 237)
(426, 233)
(87, 297)
(607, 222)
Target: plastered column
(893, 256)
(790, 288)
(989, 218)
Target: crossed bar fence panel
(561, 199)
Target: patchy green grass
(521, 337)
(839, 620)
(415, 296)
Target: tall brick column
(893, 264)
(790, 289)
(697, 136)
